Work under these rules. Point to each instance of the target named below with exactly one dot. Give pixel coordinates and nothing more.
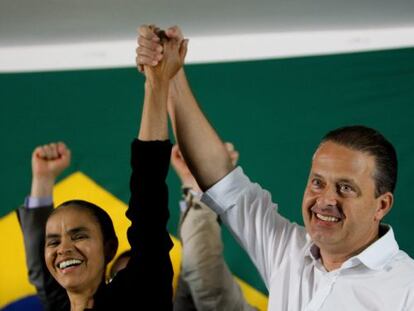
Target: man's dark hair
(365, 139)
(104, 220)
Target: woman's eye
(52, 243)
(79, 237)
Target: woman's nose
(65, 246)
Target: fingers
(175, 32)
(178, 161)
(149, 44)
(145, 56)
(61, 148)
(233, 154)
(175, 150)
(229, 146)
(176, 153)
(160, 53)
(143, 60)
(51, 151)
(39, 153)
(63, 151)
(183, 49)
(150, 49)
(148, 32)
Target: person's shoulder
(407, 270)
(403, 266)
(403, 259)
(32, 302)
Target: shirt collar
(312, 250)
(378, 254)
(374, 257)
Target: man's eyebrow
(341, 179)
(347, 180)
(351, 182)
(313, 174)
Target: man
(344, 258)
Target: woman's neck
(80, 301)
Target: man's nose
(329, 197)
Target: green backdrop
(274, 111)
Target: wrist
(42, 186)
(156, 83)
(32, 202)
(178, 85)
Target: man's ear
(110, 249)
(385, 202)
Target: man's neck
(333, 260)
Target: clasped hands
(160, 54)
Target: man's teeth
(327, 218)
(68, 263)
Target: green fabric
(274, 111)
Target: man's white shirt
(379, 278)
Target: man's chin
(322, 239)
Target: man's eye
(316, 183)
(345, 188)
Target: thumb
(183, 49)
(174, 33)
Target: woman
(79, 236)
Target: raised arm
(154, 119)
(183, 172)
(48, 162)
(150, 264)
(200, 145)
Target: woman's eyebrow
(70, 231)
(78, 229)
(52, 236)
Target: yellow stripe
(14, 282)
(13, 271)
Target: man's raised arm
(200, 145)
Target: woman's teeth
(69, 263)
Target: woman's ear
(110, 249)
